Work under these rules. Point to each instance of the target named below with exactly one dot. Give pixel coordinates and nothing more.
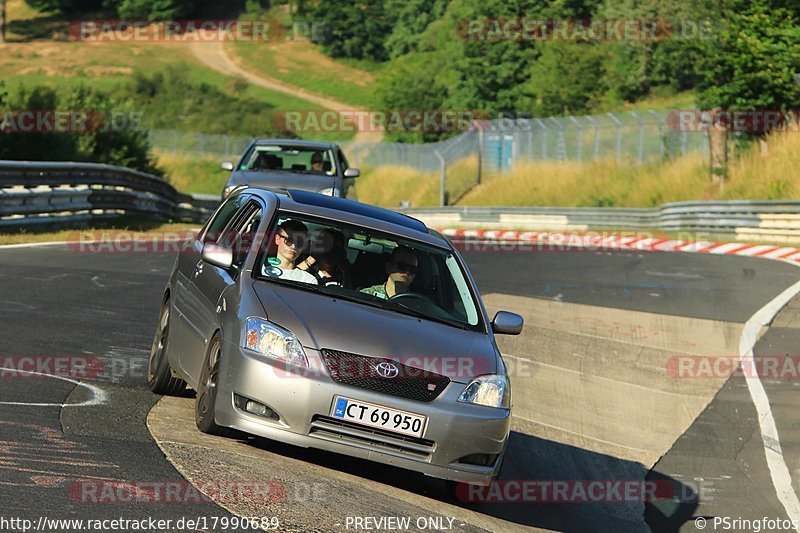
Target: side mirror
(507, 323)
(226, 165)
(352, 173)
(217, 255)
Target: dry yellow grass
(599, 183)
(771, 175)
(192, 173)
(756, 174)
(388, 186)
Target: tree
(155, 9)
(100, 141)
(354, 28)
(568, 78)
(3, 21)
(69, 6)
(406, 85)
(412, 17)
(751, 63)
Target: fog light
(255, 408)
(479, 459)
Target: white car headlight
(491, 390)
(268, 339)
(330, 191)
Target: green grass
(661, 100)
(108, 66)
(39, 54)
(302, 64)
(193, 174)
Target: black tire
(207, 391)
(159, 374)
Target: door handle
(198, 269)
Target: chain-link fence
(495, 146)
(199, 144)
(633, 136)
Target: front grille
(334, 430)
(360, 371)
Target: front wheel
(206, 400)
(159, 373)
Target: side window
(343, 159)
(223, 217)
(247, 227)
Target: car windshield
(275, 157)
(372, 268)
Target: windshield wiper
(403, 308)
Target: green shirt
(378, 291)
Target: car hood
(282, 180)
(321, 321)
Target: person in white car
(290, 239)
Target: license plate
(369, 414)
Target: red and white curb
(626, 241)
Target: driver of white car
(401, 268)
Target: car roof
(296, 142)
(361, 214)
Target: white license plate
(369, 414)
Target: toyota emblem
(387, 370)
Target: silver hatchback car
(327, 323)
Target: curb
(609, 241)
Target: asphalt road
(61, 303)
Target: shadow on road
(539, 460)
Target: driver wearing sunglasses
(290, 239)
(401, 268)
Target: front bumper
(303, 404)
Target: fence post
(663, 143)
(561, 147)
(591, 119)
(442, 178)
(641, 135)
(544, 137)
(619, 135)
(580, 136)
(480, 155)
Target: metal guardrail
(36, 193)
(39, 193)
(777, 221)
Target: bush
(99, 142)
(168, 99)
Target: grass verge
(191, 173)
(72, 235)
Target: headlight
(229, 190)
(268, 339)
(330, 191)
(491, 390)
